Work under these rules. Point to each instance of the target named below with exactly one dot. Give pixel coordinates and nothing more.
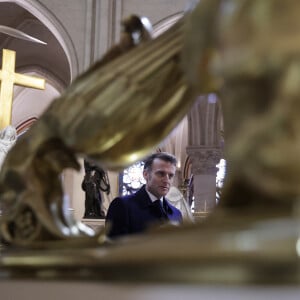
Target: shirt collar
(152, 197)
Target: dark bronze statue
(95, 180)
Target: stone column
(204, 170)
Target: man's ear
(145, 174)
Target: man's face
(160, 177)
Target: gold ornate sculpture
(102, 115)
(249, 55)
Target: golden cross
(8, 78)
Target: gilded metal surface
(248, 52)
(8, 78)
(240, 252)
(114, 114)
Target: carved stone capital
(204, 159)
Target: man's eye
(163, 174)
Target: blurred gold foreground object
(114, 114)
(247, 54)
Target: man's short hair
(160, 155)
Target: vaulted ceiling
(50, 58)
(47, 61)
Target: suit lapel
(144, 200)
(143, 197)
(167, 207)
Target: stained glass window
(131, 179)
(220, 178)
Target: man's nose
(167, 177)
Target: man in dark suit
(134, 213)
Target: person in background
(135, 213)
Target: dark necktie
(165, 206)
(162, 208)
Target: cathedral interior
(69, 52)
(73, 35)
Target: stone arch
(204, 149)
(53, 24)
(24, 115)
(205, 122)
